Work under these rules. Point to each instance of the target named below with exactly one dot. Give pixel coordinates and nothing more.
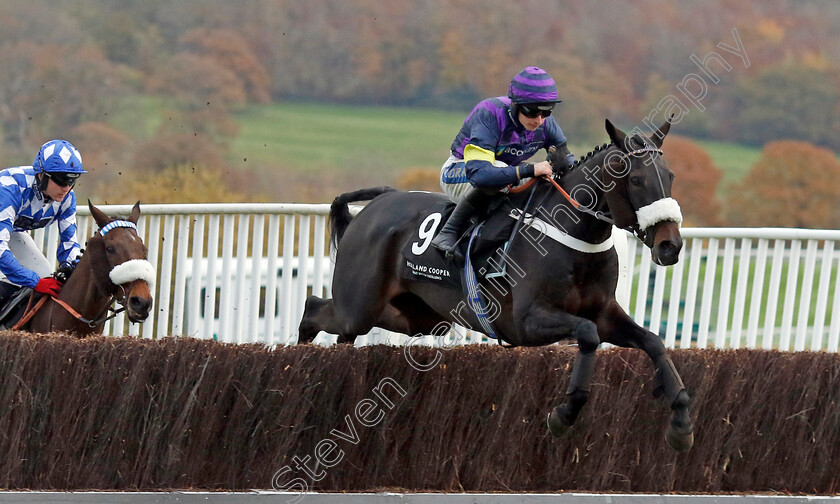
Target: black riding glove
(558, 157)
(64, 270)
(525, 170)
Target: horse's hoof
(557, 426)
(679, 441)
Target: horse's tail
(340, 213)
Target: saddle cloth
(422, 262)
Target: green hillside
(734, 160)
(374, 144)
(300, 137)
(337, 138)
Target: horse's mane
(94, 257)
(599, 150)
(583, 160)
(635, 139)
(590, 154)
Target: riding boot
(473, 202)
(7, 292)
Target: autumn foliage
(793, 184)
(419, 179)
(184, 183)
(194, 67)
(229, 50)
(696, 181)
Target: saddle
(487, 238)
(14, 308)
(14, 299)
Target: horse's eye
(636, 180)
(110, 250)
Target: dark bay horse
(113, 268)
(567, 289)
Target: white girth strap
(134, 269)
(666, 209)
(562, 237)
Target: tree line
(70, 67)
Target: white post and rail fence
(240, 273)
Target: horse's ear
(135, 213)
(98, 215)
(659, 135)
(617, 136)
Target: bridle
(635, 228)
(102, 317)
(604, 217)
(126, 272)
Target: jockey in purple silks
(489, 151)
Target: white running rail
(241, 272)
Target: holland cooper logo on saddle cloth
(423, 262)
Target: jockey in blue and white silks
(33, 197)
(489, 151)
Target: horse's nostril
(138, 304)
(669, 253)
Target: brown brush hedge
(119, 413)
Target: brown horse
(113, 268)
(560, 284)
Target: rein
(29, 312)
(99, 318)
(598, 215)
(128, 271)
(601, 215)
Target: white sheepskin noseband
(134, 269)
(666, 209)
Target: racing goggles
(63, 179)
(532, 110)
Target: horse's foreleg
(543, 326)
(623, 331)
(577, 392)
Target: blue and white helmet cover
(58, 156)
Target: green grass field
(338, 147)
(138, 116)
(733, 159)
(300, 136)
